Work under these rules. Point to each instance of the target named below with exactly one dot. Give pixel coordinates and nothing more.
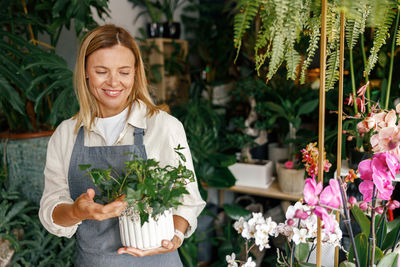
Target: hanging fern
(243, 20)
(315, 35)
(398, 36)
(277, 54)
(292, 61)
(332, 67)
(332, 23)
(355, 25)
(381, 33)
(262, 44)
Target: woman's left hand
(167, 246)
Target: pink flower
(301, 214)
(365, 170)
(363, 206)
(379, 210)
(352, 200)
(329, 222)
(366, 188)
(289, 164)
(389, 139)
(398, 108)
(331, 195)
(311, 191)
(361, 91)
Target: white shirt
(111, 127)
(163, 133)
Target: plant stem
(391, 62)
(309, 253)
(353, 82)
(371, 241)
(347, 220)
(366, 76)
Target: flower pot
(291, 181)
(172, 30)
(155, 30)
(25, 155)
(327, 255)
(253, 175)
(150, 234)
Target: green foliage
(383, 25)
(36, 84)
(152, 8)
(361, 219)
(355, 24)
(149, 188)
(314, 27)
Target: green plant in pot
(172, 29)
(153, 9)
(36, 89)
(151, 191)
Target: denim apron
(98, 242)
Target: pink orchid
(389, 139)
(366, 188)
(301, 214)
(390, 118)
(365, 170)
(331, 195)
(380, 119)
(311, 191)
(329, 222)
(398, 108)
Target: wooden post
(340, 115)
(321, 123)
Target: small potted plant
(154, 28)
(151, 191)
(172, 29)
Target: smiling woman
(117, 122)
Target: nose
(113, 80)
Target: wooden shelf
(273, 192)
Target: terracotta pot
(291, 181)
(25, 155)
(150, 234)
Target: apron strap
(80, 137)
(138, 136)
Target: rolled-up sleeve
(56, 190)
(192, 203)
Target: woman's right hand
(85, 208)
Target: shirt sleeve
(56, 189)
(192, 203)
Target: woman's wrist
(180, 236)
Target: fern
(261, 43)
(242, 21)
(292, 61)
(332, 67)
(381, 33)
(332, 23)
(312, 47)
(356, 26)
(398, 36)
(277, 54)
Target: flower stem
(366, 76)
(371, 241)
(391, 62)
(347, 220)
(353, 83)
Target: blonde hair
(103, 37)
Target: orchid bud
(290, 222)
(396, 203)
(379, 210)
(352, 200)
(349, 138)
(363, 205)
(391, 206)
(301, 214)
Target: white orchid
(249, 263)
(299, 236)
(239, 225)
(231, 260)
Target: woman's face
(110, 73)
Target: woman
(116, 116)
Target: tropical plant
(36, 83)
(152, 8)
(284, 23)
(150, 189)
(169, 8)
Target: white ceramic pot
(149, 235)
(253, 175)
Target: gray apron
(98, 242)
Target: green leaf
(362, 249)
(390, 260)
(346, 264)
(301, 251)
(235, 211)
(84, 167)
(361, 219)
(308, 107)
(392, 228)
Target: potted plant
(36, 83)
(151, 191)
(172, 29)
(153, 9)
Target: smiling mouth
(112, 92)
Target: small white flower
(249, 263)
(256, 219)
(299, 236)
(248, 230)
(238, 225)
(231, 260)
